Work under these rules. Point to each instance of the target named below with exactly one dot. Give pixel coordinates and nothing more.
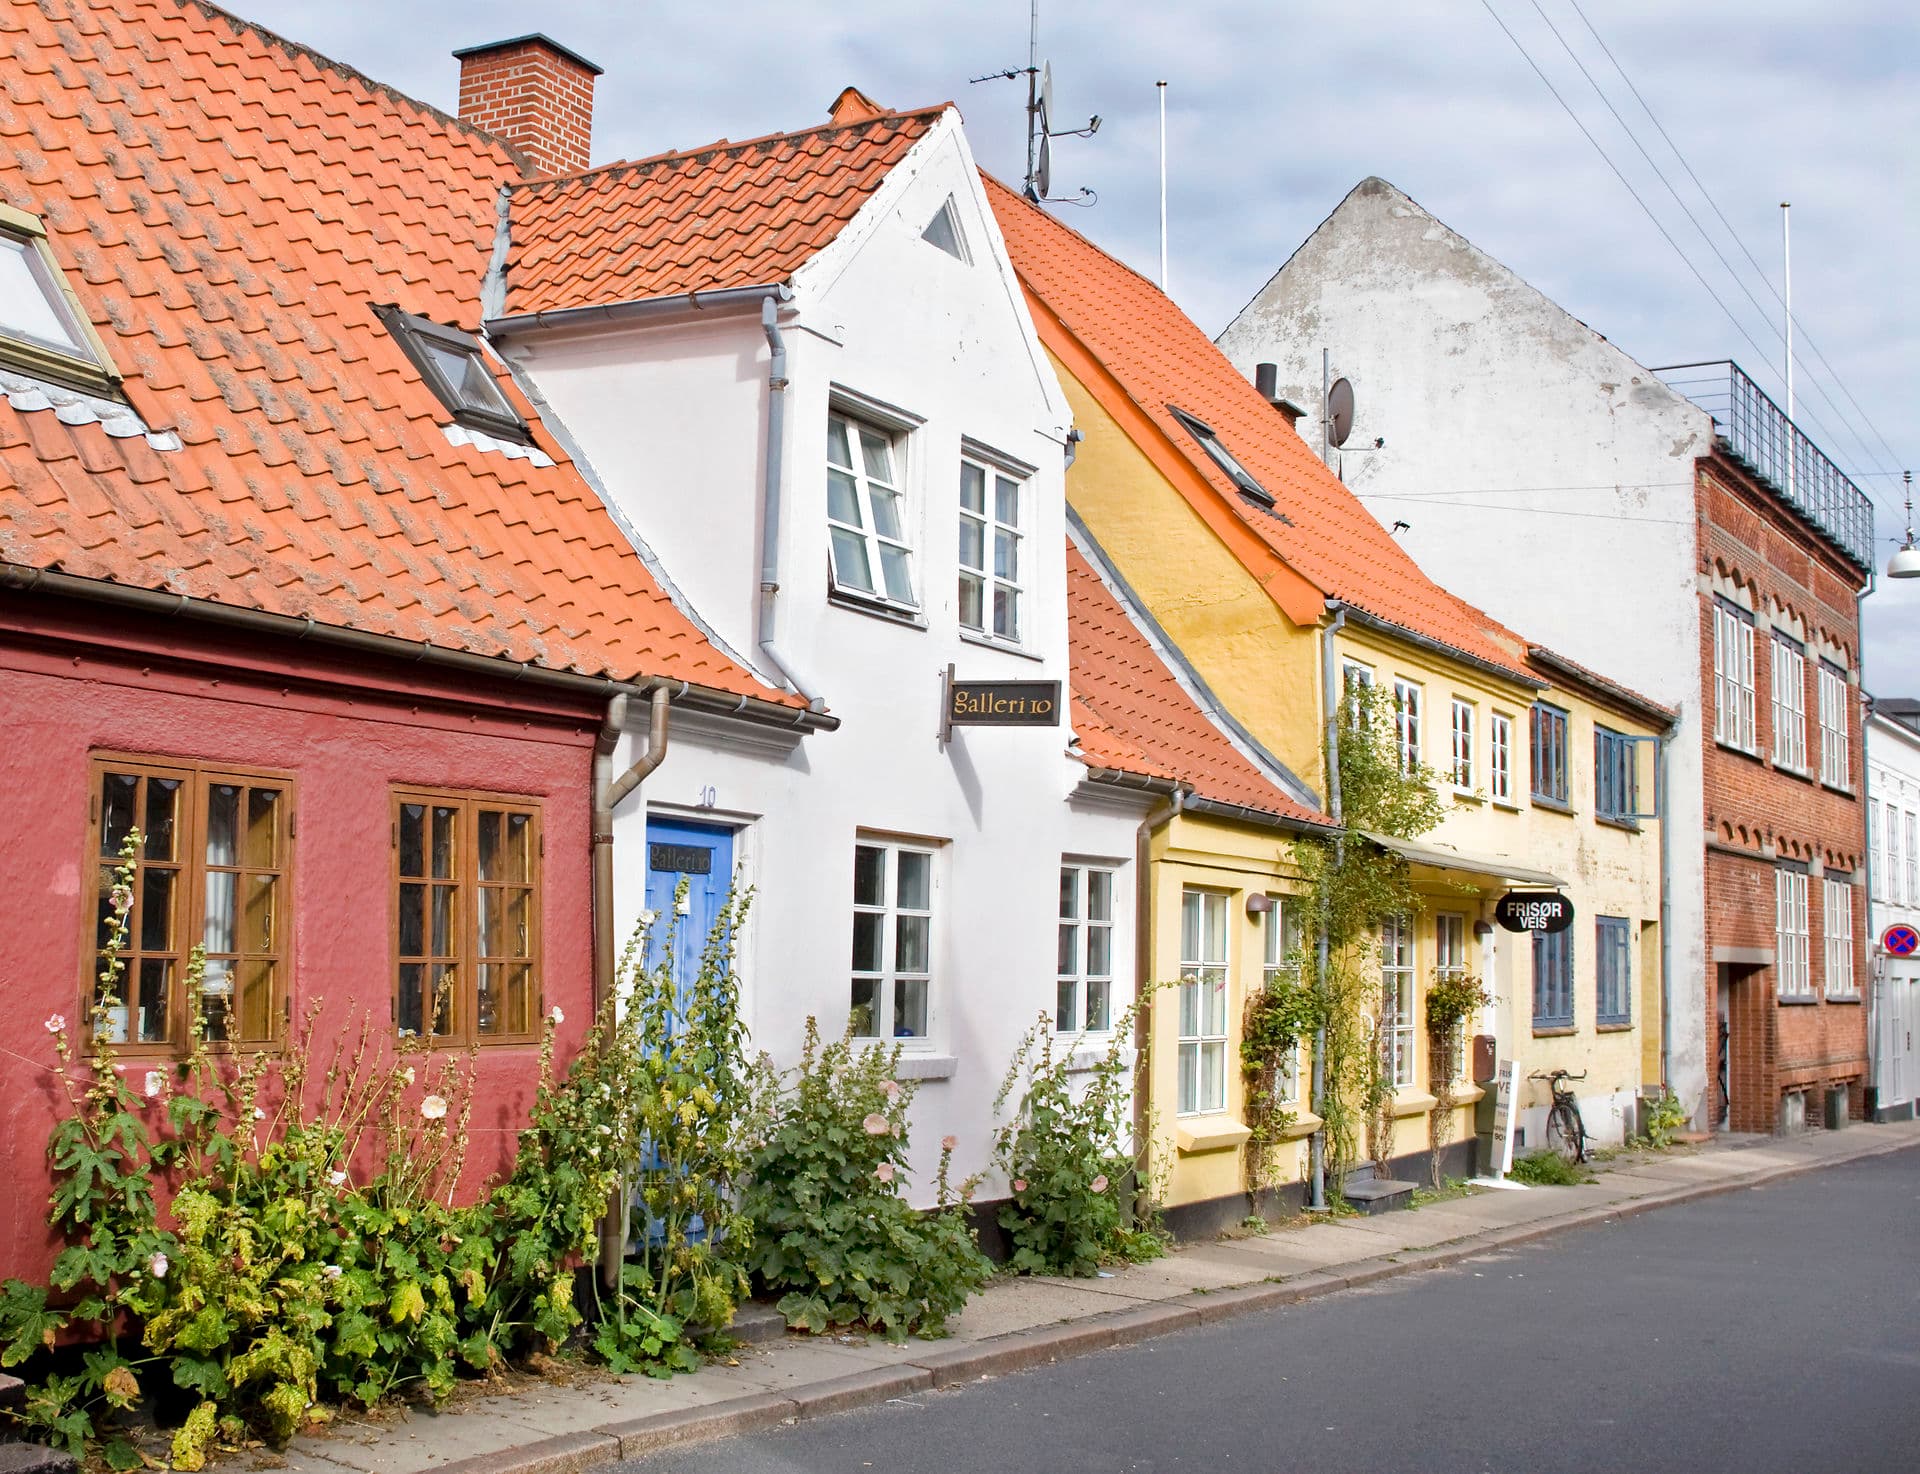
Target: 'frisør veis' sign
(1546, 911)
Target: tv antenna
(1040, 117)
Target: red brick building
(1785, 776)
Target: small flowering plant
(836, 1238)
(1065, 1152)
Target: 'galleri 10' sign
(997, 704)
(1537, 911)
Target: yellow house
(1277, 588)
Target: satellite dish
(1045, 98)
(1339, 412)
(1043, 168)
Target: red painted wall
(76, 679)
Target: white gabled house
(802, 371)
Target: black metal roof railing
(1756, 432)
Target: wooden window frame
(1075, 978)
(190, 892)
(467, 959)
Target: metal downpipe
(608, 791)
(768, 632)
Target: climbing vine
(1451, 1001)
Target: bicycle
(1566, 1132)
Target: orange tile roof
(728, 215)
(1132, 716)
(229, 208)
(1087, 304)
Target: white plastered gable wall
(1892, 984)
(1546, 476)
(673, 418)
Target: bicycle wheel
(1566, 1133)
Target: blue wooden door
(702, 854)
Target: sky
(1275, 110)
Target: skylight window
(42, 329)
(456, 370)
(944, 231)
(1223, 458)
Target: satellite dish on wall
(1339, 412)
(1043, 168)
(1044, 100)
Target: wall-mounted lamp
(1258, 904)
(1483, 929)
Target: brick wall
(535, 95)
(1761, 817)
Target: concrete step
(756, 1322)
(13, 1392)
(1379, 1194)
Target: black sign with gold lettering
(1003, 704)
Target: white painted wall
(1892, 984)
(673, 418)
(1547, 478)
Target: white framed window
(1836, 758)
(872, 555)
(1877, 847)
(456, 369)
(1203, 1002)
(1449, 966)
(1500, 757)
(1892, 887)
(1911, 894)
(1353, 673)
(1397, 963)
(1406, 724)
(1284, 939)
(1792, 957)
(1733, 676)
(1836, 921)
(1461, 746)
(892, 940)
(990, 553)
(1789, 705)
(1084, 991)
(43, 329)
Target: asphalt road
(1776, 1328)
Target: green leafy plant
(1275, 1020)
(1664, 1118)
(1547, 1169)
(1451, 1001)
(837, 1240)
(1066, 1155)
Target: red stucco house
(293, 578)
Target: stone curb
(1020, 1350)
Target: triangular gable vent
(944, 231)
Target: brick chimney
(533, 93)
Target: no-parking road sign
(1900, 941)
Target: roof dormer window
(1223, 458)
(43, 332)
(455, 368)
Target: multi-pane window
(211, 871)
(866, 513)
(1084, 990)
(1616, 775)
(990, 584)
(1877, 847)
(1836, 761)
(1461, 747)
(1612, 971)
(1450, 966)
(1500, 757)
(1553, 979)
(1792, 956)
(1284, 940)
(1203, 1002)
(1549, 753)
(1912, 893)
(892, 940)
(1836, 920)
(1789, 704)
(1396, 998)
(1894, 885)
(42, 329)
(467, 916)
(1733, 697)
(1406, 724)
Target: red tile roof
(1132, 716)
(728, 215)
(229, 208)
(1158, 357)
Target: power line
(1693, 220)
(1805, 337)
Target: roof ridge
(726, 146)
(1087, 240)
(354, 74)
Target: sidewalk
(548, 1428)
